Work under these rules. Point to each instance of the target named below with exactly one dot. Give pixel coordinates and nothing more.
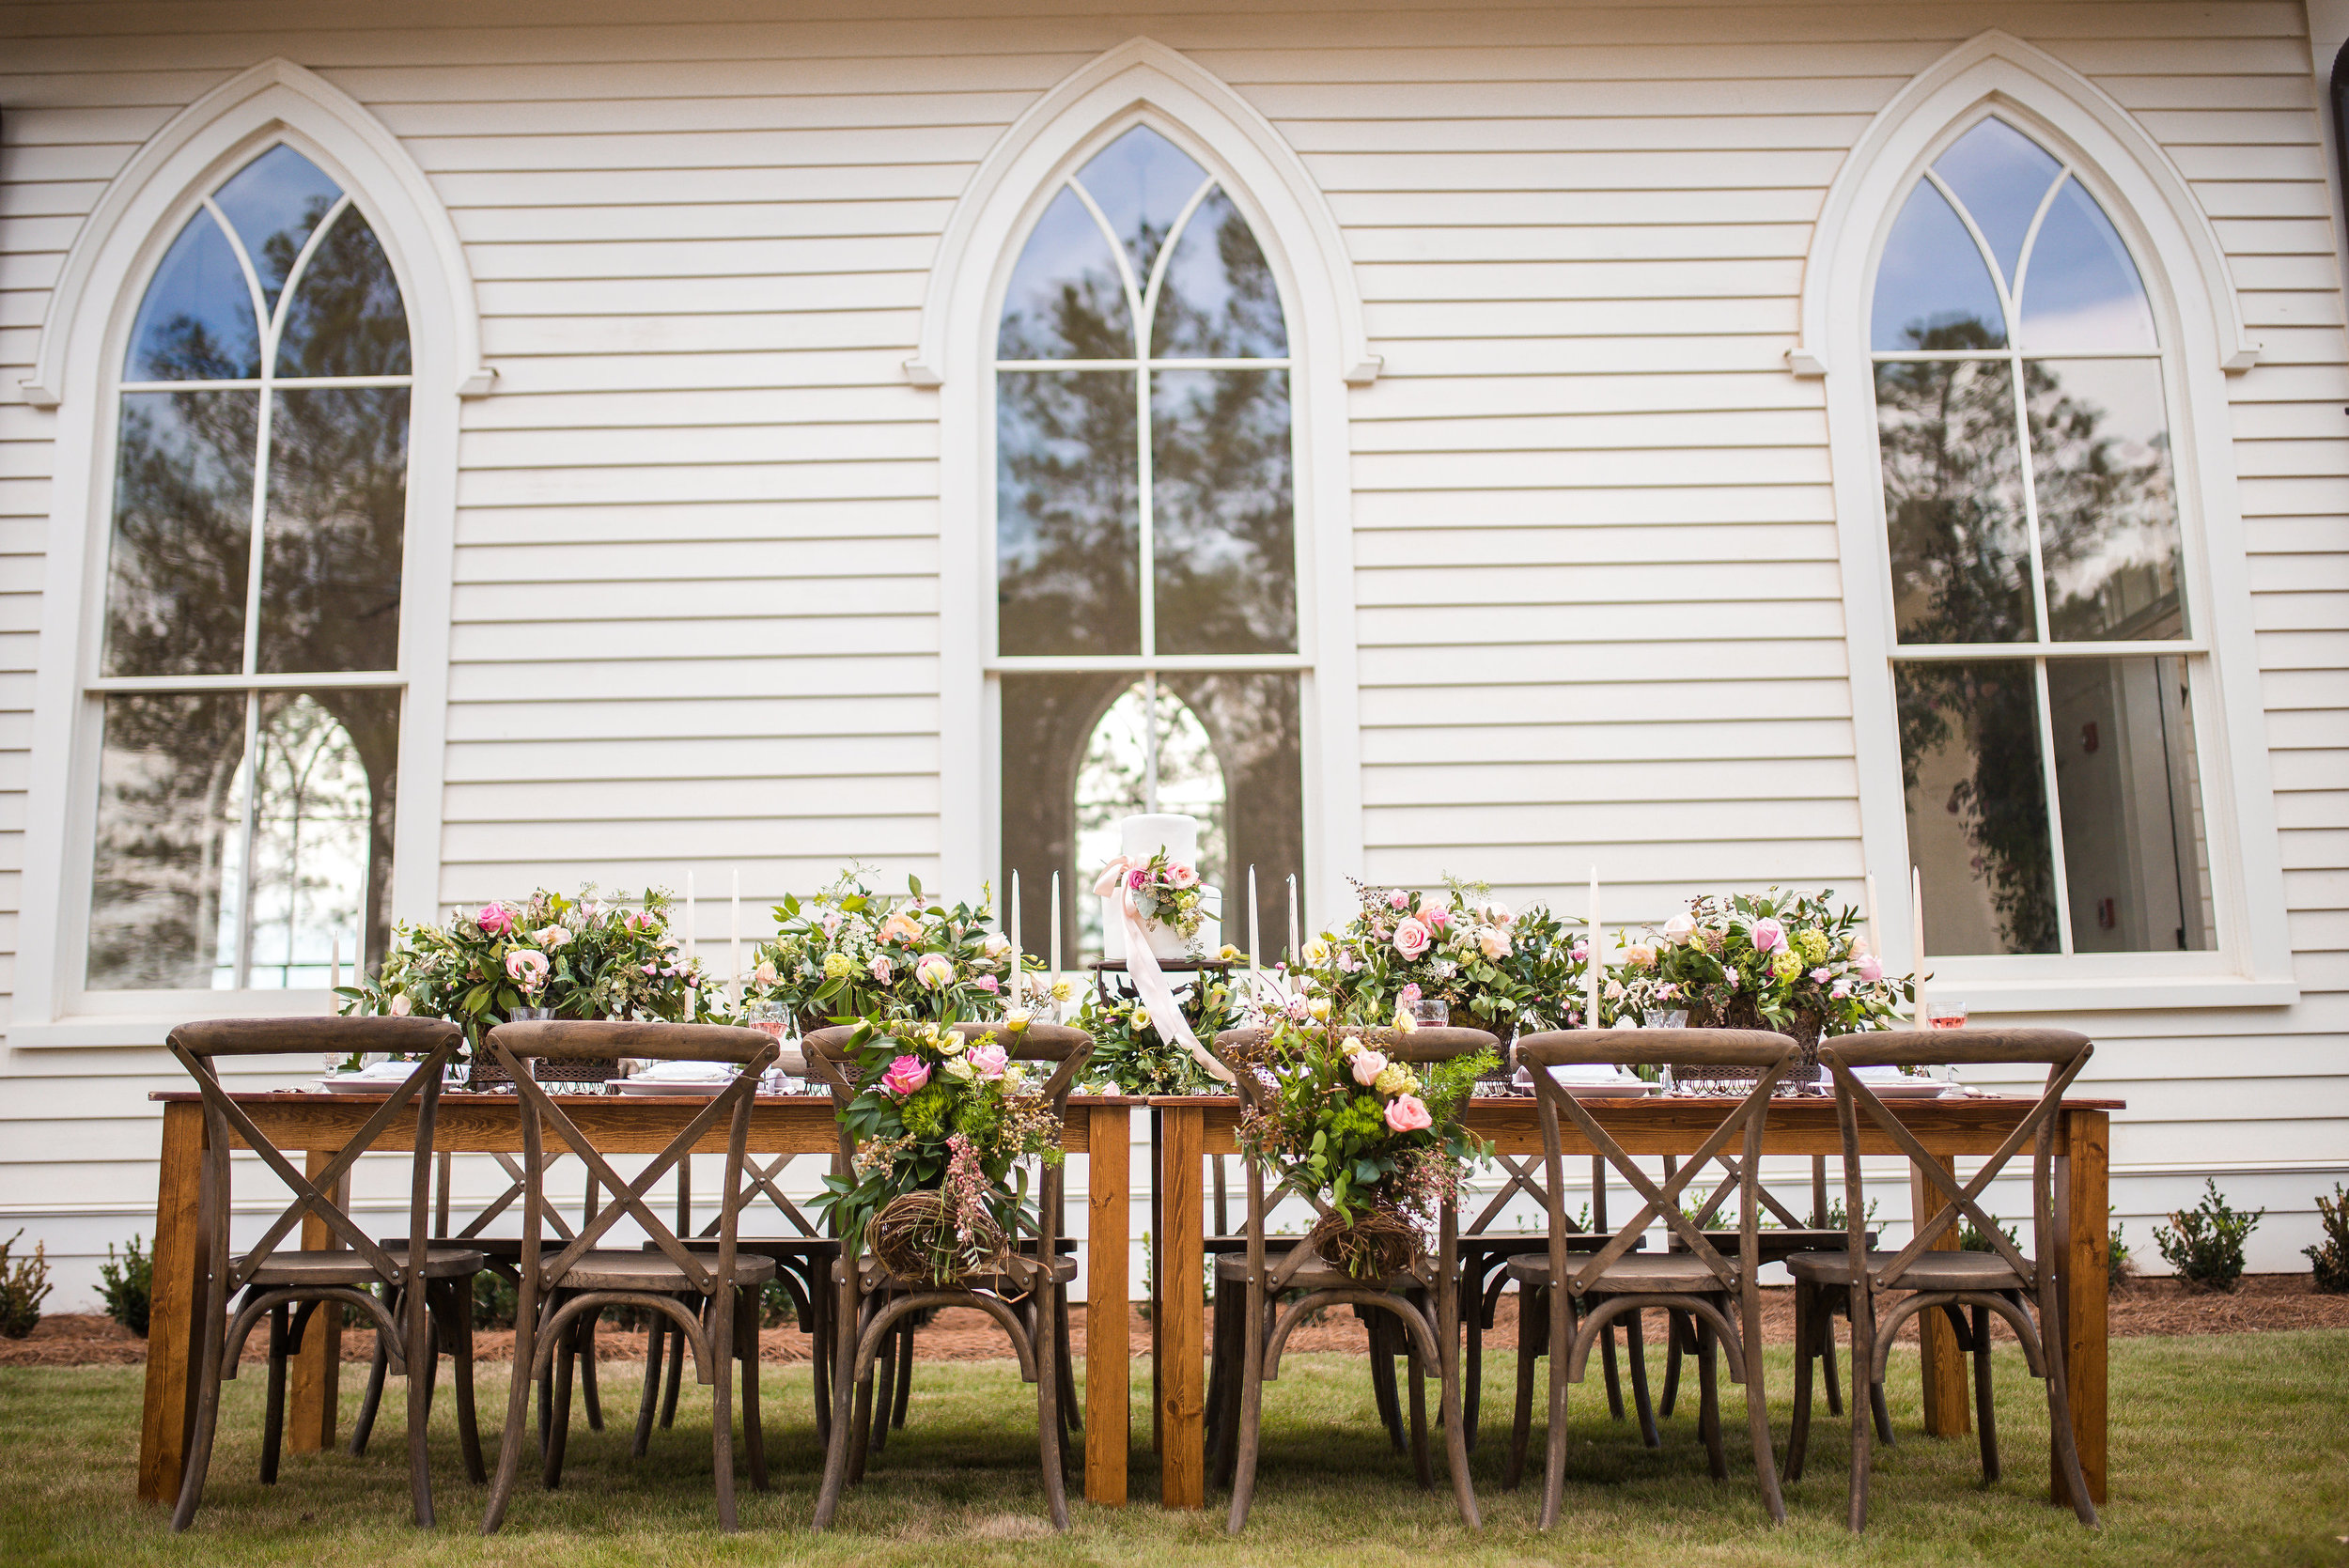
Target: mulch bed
(2262, 1303)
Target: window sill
(2005, 998)
(146, 1030)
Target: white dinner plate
(667, 1086)
(1905, 1088)
(1631, 1089)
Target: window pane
(176, 571)
(1069, 524)
(2134, 858)
(1076, 760)
(337, 510)
(2107, 511)
(1216, 300)
(346, 317)
(1953, 502)
(2080, 290)
(1932, 287)
(170, 808)
(1978, 805)
(196, 323)
(2001, 176)
(1141, 181)
(322, 835)
(1066, 299)
(274, 202)
(1223, 542)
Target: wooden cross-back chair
(582, 1280)
(1969, 1286)
(277, 1284)
(1583, 1292)
(1264, 1278)
(874, 1304)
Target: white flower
(1316, 953)
(1493, 942)
(765, 974)
(1142, 1018)
(552, 936)
(961, 1068)
(934, 970)
(1496, 913)
(1404, 1022)
(996, 944)
(400, 1006)
(1679, 928)
(1366, 1065)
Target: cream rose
(1411, 938)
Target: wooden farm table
(1193, 1126)
(320, 1123)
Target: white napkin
(686, 1072)
(1593, 1072)
(1886, 1074)
(381, 1072)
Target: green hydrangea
(1813, 945)
(925, 1112)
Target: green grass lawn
(2224, 1450)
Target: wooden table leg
(1947, 1411)
(314, 1380)
(1109, 1369)
(2082, 1184)
(1183, 1454)
(174, 1311)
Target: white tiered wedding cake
(1179, 837)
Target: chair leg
(754, 1424)
(1866, 1403)
(1450, 1415)
(1709, 1403)
(879, 1397)
(1047, 1403)
(516, 1431)
(649, 1405)
(1614, 1377)
(1827, 1366)
(1634, 1350)
(1533, 1335)
(1219, 1371)
(1382, 1386)
(1470, 1297)
(676, 1375)
(213, 1330)
(1422, 1464)
(836, 1446)
(1985, 1415)
(1250, 1409)
(904, 1380)
(1561, 1342)
(718, 1317)
(1758, 1421)
(1675, 1329)
(819, 1351)
(590, 1395)
(274, 1427)
(1806, 1347)
(1880, 1410)
(423, 1362)
(1071, 1407)
(1230, 1353)
(559, 1381)
(2067, 1453)
(460, 1381)
(363, 1425)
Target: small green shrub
(2204, 1244)
(23, 1286)
(1972, 1240)
(494, 1299)
(2120, 1268)
(2331, 1261)
(127, 1284)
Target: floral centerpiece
(1495, 969)
(943, 1127)
(1132, 1057)
(577, 958)
(1164, 890)
(1382, 1142)
(1785, 961)
(847, 953)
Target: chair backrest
(516, 1043)
(1767, 1054)
(1419, 1046)
(2060, 1050)
(832, 1052)
(434, 1042)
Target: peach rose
(1408, 1114)
(1411, 938)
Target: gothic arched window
(1145, 608)
(248, 682)
(2045, 653)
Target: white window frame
(1145, 82)
(79, 375)
(2198, 324)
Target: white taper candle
(1296, 950)
(1917, 939)
(1056, 937)
(1016, 964)
(735, 958)
(692, 944)
(1876, 932)
(1255, 952)
(1597, 965)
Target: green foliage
(494, 1301)
(1497, 970)
(2204, 1244)
(23, 1286)
(127, 1284)
(1972, 1240)
(2120, 1268)
(1131, 1056)
(2331, 1261)
(848, 952)
(1766, 960)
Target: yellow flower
(1392, 1081)
(1813, 945)
(1063, 990)
(1404, 1022)
(1786, 963)
(838, 966)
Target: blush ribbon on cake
(1144, 837)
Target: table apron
(615, 1126)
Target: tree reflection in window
(2029, 512)
(1144, 513)
(270, 343)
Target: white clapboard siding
(696, 592)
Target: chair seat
(1634, 1274)
(1274, 1246)
(1982, 1271)
(1776, 1246)
(1064, 1273)
(280, 1270)
(1314, 1274)
(654, 1271)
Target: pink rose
(527, 968)
(652, 969)
(495, 919)
(1409, 994)
(934, 970)
(1137, 878)
(906, 1074)
(988, 1061)
(1411, 938)
(986, 983)
(1768, 935)
(1408, 1114)
(1580, 953)
(881, 969)
(1398, 899)
(1368, 1065)
(1819, 976)
(1871, 968)
(1181, 877)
